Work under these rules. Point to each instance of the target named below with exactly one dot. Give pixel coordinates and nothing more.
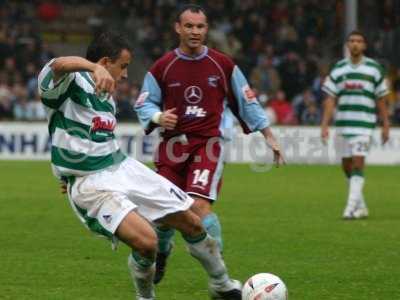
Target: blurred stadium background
(284, 47)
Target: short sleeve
(330, 87)
(49, 88)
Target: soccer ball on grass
(264, 286)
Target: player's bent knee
(138, 234)
(201, 207)
(187, 222)
(193, 226)
(146, 246)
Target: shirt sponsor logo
(193, 94)
(142, 97)
(102, 125)
(249, 94)
(353, 86)
(195, 111)
(213, 80)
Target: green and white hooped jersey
(81, 124)
(357, 88)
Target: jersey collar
(356, 65)
(182, 55)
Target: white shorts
(102, 200)
(354, 146)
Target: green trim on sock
(357, 173)
(143, 262)
(196, 239)
(165, 236)
(163, 229)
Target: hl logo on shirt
(195, 111)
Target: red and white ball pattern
(264, 286)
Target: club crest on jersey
(213, 80)
(193, 94)
(248, 94)
(99, 124)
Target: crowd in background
(285, 49)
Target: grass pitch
(285, 221)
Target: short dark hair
(357, 32)
(194, 8)
(107, 44)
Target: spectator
(5, 47)
(20, 110)
(279, 44)
(265, 78)
(36, 111)
(395, 110)
(317, 83)
(301, 101)
(6, 97)
(124, 101)
(283, 109)
(30, 77)
(45, 54)
(21, 107)
(289, 70)
(311, 115)
(49, 11)
(233, 46)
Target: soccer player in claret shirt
(187, 93)
(358, 84)
(112, 194)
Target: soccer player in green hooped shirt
(358, 85)
(112, 194)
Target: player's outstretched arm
(329, 106)
(249, 111)
(68, 64)
(384, 116)
(274, 145)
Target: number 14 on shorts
(201, 176)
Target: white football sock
(355, 197)
(361, 203)
(142, 273)
(208, 253)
